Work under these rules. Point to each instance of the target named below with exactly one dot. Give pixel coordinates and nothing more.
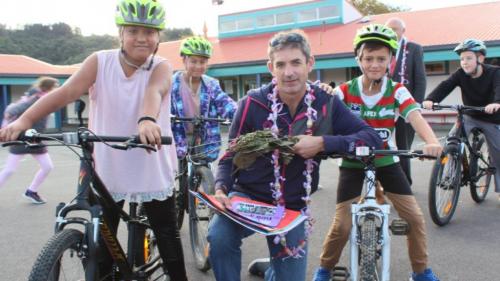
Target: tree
(374, 7)
(55, 43)
(171, 34)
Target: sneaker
(322, 274)
(34, 197)
(258, 267)
(427, 275)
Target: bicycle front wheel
(61, 258)
(199, 217)
(479, 167)
(444, 188)
(368, 249)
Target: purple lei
(276, 186)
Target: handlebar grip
(164, 140)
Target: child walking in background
(17, 152)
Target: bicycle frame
(458, 137)
(188, 165)
(94, 198)
(369, 207)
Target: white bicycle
(370, 240)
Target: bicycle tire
(444, 187)
(48, 264)
(146, 250)
(368, 250)
(199, 217)
(480, 175)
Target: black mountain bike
(464, 161)
(195, 174)
(82, 232)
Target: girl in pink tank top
(119, 81)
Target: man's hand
(327, 88)
(221, 196)
(427, 104)
(433, 149)
(150, 133)
(309, 146)
(492, 108)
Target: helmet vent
(131, 8)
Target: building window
(230, 86)
(307, 15)
(328, 12)
(284, 18)
(267, 20)
(436, 68)
(244, 24)
(227, 26)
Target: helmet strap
(123, 55)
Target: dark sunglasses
(289, 38)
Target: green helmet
(376, 33)
(148, 13)
(196, 46)
(472, 45)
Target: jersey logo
(370, 113)
(355, 107)
(385, 112)
(383, 133)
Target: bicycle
(195, 174)
(455, 168)
(369, 238)
(73, 253)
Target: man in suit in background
(408, 68)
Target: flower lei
(276, 186)
(402, 71)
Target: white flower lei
(276, 186)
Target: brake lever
(10, 143)
(128, 145)
(148, 147)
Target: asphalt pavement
(468, 249)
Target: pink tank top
(116, 103)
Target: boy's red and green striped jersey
(395, 101)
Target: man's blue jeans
(226, 237)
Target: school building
(240, 49)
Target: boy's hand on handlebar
(433, 149)
(492, 108)
(427, 104)
(150, 133)
(221, 196)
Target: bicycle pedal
(399, 227)
(340, 273)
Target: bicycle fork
(360, 211)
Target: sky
(97, 16)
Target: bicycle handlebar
(77, 138)
(200, 119)
(366, 152)
(457, 107)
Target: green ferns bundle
(252, 145)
